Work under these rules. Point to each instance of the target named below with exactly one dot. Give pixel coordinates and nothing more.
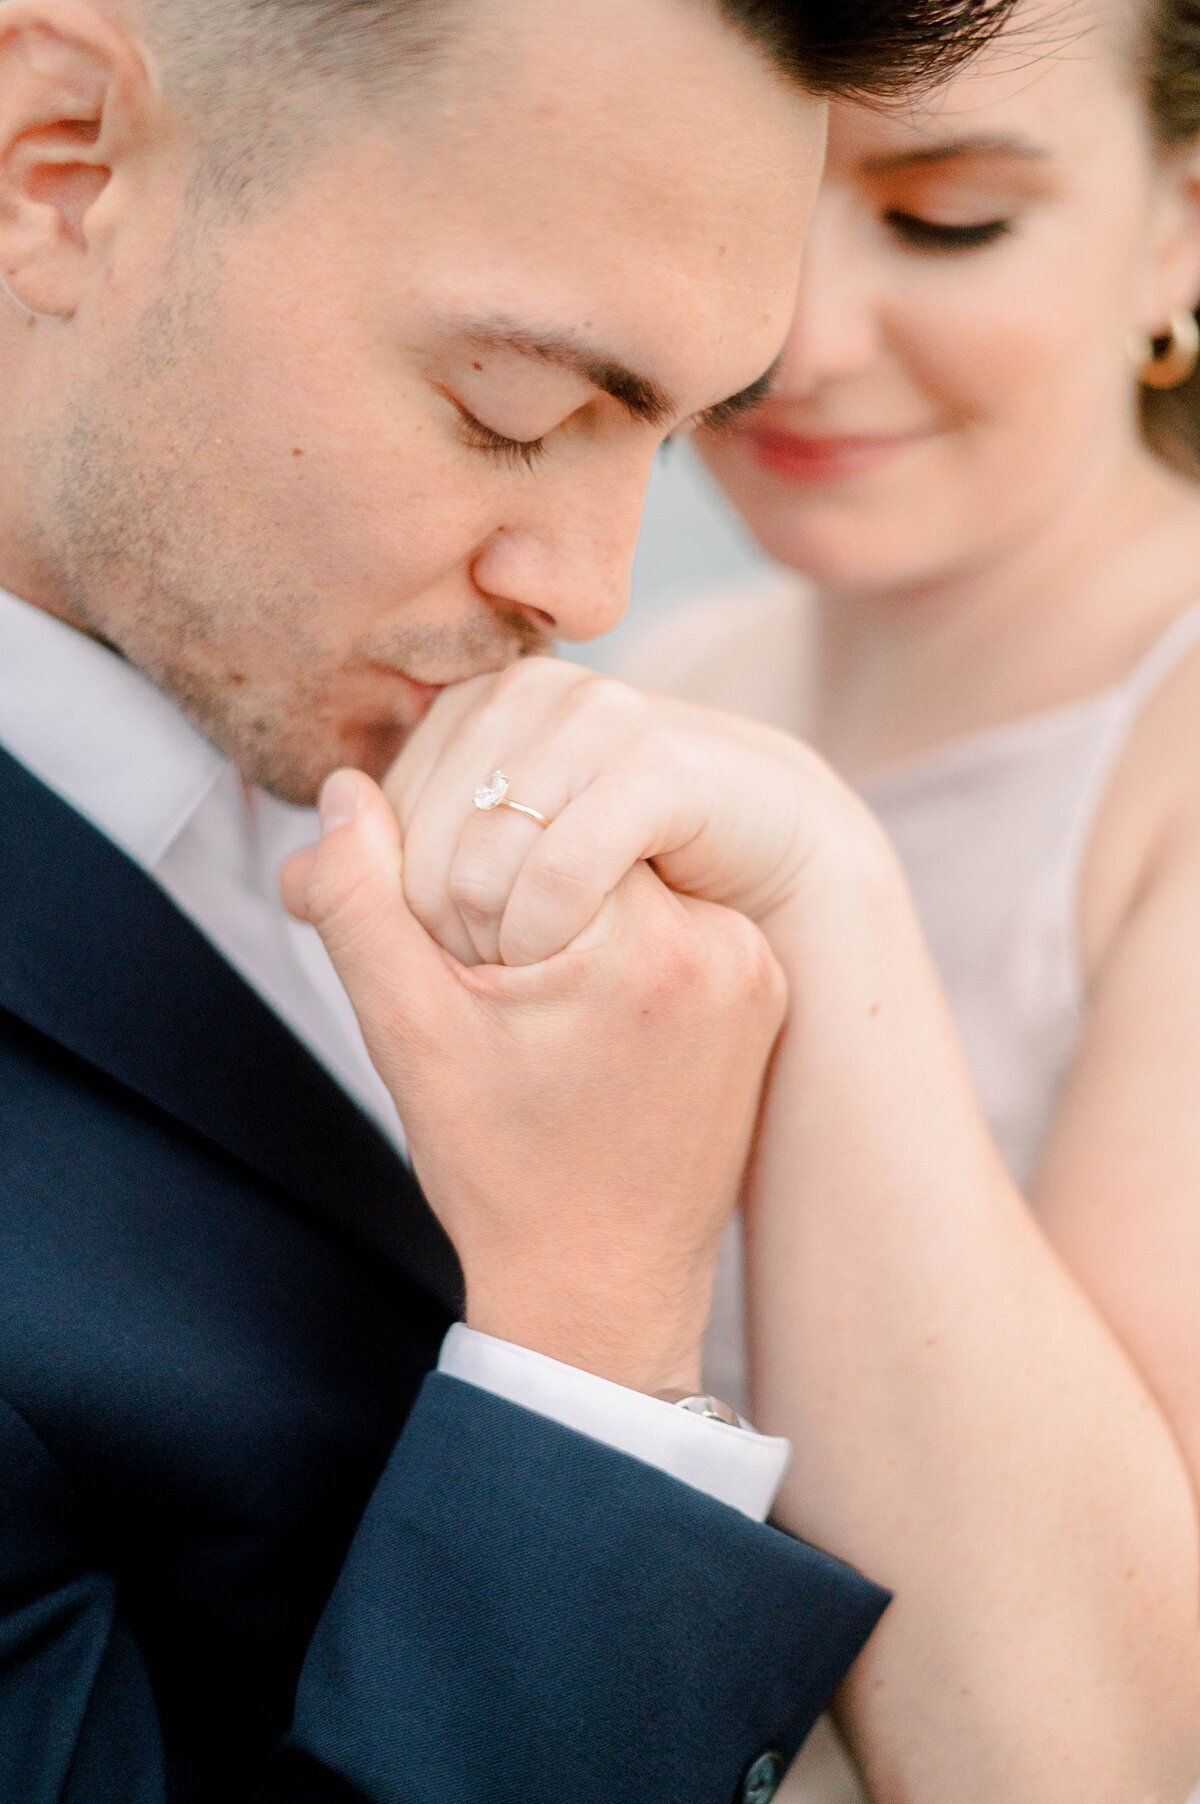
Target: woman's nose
(835, 332)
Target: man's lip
(823, 457)
(424, 691)
(423, 694)
(444, 679)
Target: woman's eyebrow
(981, 145)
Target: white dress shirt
(99, 734)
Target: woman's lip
(810, 457)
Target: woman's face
(960, 376)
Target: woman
(972, 456)
(972, 1283)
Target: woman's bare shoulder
(739, 648)
(1149, 819)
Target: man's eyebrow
(641, 397)
(951, 148)
(725, 413)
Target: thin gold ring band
(494, 794)
(519, 808)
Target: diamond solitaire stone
(493, 792)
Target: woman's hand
(726, 810)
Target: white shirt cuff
(734, 1465)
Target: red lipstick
(809, 457)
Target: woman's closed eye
(932, 235)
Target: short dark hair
(868, 48)
(859, 48)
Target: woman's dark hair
(1171, 83)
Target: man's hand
(726, 810)
(580, 1126)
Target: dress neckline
(969, 751)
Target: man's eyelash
(928, 235)
(519, 452)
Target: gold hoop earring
(1174, 362)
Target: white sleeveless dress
(992, 830)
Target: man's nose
(571, 564)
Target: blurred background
(690, 542)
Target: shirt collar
(98, 733)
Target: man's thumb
(350, 888)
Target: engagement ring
(494, 794)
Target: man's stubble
(131, 522)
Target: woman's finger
(428, 743)
(514, 726)
(565, 727)
(623, 818)
(482, 873)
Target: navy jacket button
(763, 1779)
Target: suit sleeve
(523, 1612)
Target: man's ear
(73, 93)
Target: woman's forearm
(966, 1428)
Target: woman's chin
(841, 555)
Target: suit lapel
(97, 958)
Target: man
(297, 291)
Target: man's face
(307, 467)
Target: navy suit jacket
(251, 1550)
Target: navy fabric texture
(250, 1551)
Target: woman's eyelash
(523, 452)
(927, 235)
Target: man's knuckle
(767, 983)
(679, 963)
(747, 946)
(751, 970)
